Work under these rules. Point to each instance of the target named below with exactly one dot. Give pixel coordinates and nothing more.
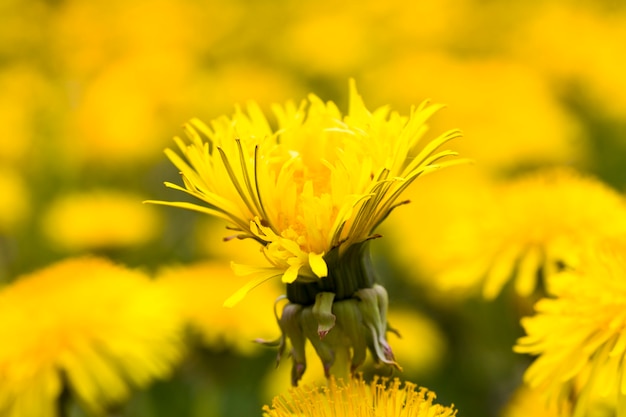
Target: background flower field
(92, 92)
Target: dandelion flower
(122, 221)
(312, 192)
(357, 398)
(543, 220)
(85, 326)
(516, 232)
(579, 335)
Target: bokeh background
(91, 92)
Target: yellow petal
(318, 264)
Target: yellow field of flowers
(403, 208)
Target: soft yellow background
(91, 92)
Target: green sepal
(322, 310)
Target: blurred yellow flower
(311, 40)
(26, 100)
(357, 398)
(99, 219)
(592, 66)
(200, 301)
(579, 335)
(530, 402)
(86, 325)
(120, 113)
(515, 230)
(239, 81)
(14, 199)
(493, 99)
(88, 36)
(542, 221)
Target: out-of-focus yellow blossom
(126, 69)
(542, 221)
(530, 402)
(99, 219)
(401, 33)
(494, 100)
(26, 99)
(200, 302)
(312, 192)
(240, 81)
(121, 113)
(86, 325)
(592, 65)
(88, 36)
(20, 26)
(336, 43)
(523, 229)
(579, 335)
(357, 398)
(14, 200)
(420, 345)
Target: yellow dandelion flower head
(320, 182)
(99, 219)
(542, 220)
(533, 224)
(86, 325)
(357, 398)
(579, 334)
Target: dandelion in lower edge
(357, 398)
(312, 192)
(579, 336)
(82, 331)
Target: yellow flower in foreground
(312, 192)
(85, 325)
(100, 219)
(320, 183)
(580, 336)
(359, 399)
